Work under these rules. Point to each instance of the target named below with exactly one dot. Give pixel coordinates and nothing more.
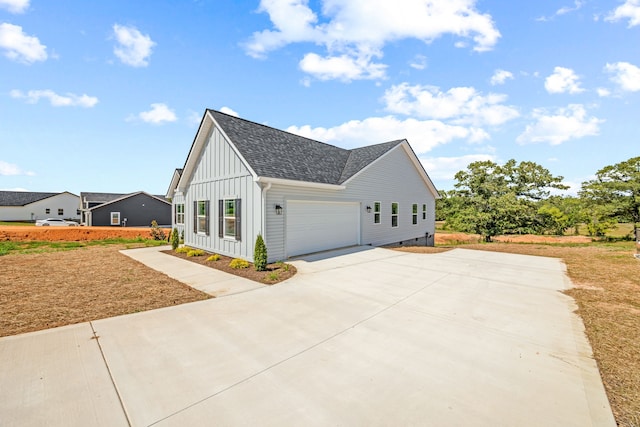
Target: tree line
(515, 198)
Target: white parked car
(55, 222)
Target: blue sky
(107, 96)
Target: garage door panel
(317, 226)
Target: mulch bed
(275, 273)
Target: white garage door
(318, 226)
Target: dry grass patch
(607, 290)
(46, 290)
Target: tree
(175, 239)
(260, 254)
(557, 214)
(616, 192)
(499, 199)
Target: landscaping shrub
(273, 276)
(183, 250)
(238, 263)
(156, 232)
(175, 239)
(214, 257)
(195, 252)
(260, 254)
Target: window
(115, 218)
(376, 212)
(414, 214)
(180, 214)
(394, 214)
(424, 211)
(47, 211)
(60, 211)
(77, 211)
(201, 216)
(229, 218)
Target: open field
(71, 234)
(607, 290)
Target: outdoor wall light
(368, 209)
(278, 210)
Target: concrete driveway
(362, 337)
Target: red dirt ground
(72, 234)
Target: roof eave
(294, 183)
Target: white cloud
(19, 46)
(9, 169)
(603, 92)
(500, 77)
(445, 168)
(14, 6)
(358, 30)
(423, 135)
(134, 48)
(419, 62)
(341, 67)
(562, 125)
(158, 114)
(629, 10)
(68, 100)
(461, 105)
(577, 4)
(229, 111)
(626, 75)
(563, 80)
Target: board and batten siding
(221, 174)
(391, 178)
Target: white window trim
(111, 216)
(414, 215)
(395, 214)
(225, 234)
(198, 216)
(180, 214)
(378, 212)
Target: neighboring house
(30, 206)
(130, 210)
(242, 179)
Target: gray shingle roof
(22, 198)
(100, 197)
(275, 153)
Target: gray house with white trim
(242, 179)
(132, 210)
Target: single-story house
(127, 210)
(242, 179)
(31, 206)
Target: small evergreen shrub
(238, 263)
(195, 252)
(183, 250)
(214, 257)
(260, 254)
(157, 233)
(175, 239)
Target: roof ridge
(276, 129)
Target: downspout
(264, 209)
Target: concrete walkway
(205, 279)
(364, 337)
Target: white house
(242, 179)
(31, 206)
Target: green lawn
(16, 223)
